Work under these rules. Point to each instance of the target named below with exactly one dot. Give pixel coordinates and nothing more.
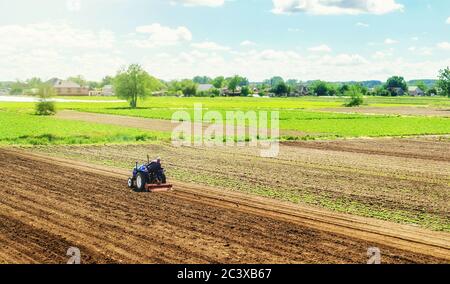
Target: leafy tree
(243, 81)
(394, 83)
(189, 88)
(233, 83)
(281, 89)
(292, 83)
(45, 106)
(356, 97)
(431, 92)
(421, 85)
(202, 80)
(245, 91)
(320, 88)
(274, 81)
(34, 82)
(343, 89)
(133, 83)
(107, 80)
(17, 88)
(443, 84)
(218, 82)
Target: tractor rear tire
(141, 181)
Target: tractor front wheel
(130, 183)
(141, 181)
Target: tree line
(134, 82)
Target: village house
(69, 88)
(416, 91)
(108, 91)
(204, 87)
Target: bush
(356, 98)
(44, 107)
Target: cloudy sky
(303, 39)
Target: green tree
(218, 82)
(274, 81)
(107, 80)
(356, 97)
(17, 88)
(45, 106)
(443, 83)
(281, 89)
(320, 88)
(233, 83)
(245, 91)
(421, 85)
(188, 87)
(34, 82)
(394, 83)
(133, 83)
(202, 80)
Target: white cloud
(192, 3)
(362, 25)
(390, 41)
(209, 45)
(320, 48)
(56, 49)
(444, 45)
(448, 21)
(73, 5)
(336, 7)
(158, 35)
(248, 43)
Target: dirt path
(144, 123)
(48, 204)
(413, 111)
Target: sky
(333, 40)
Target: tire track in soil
(45, 199)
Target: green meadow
(300, 115)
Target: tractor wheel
(141, 181)
(130, 183)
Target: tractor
(149, 177)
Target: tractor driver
(155, 167)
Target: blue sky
(303, 39)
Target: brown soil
(143, 123)
(49, 204)
(414, 111)
(404, 180)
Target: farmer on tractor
(156, 168)
(149, 177)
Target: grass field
(28, 129)
(298, 114)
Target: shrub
(45, 107)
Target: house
(204, 87)
(95, 93)
(108, 91)
(301, 91)
(397, 91)
(415, 91)
(69, 88)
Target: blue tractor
(149, 177)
